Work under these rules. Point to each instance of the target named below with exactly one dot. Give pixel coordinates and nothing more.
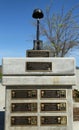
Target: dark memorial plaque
(53, 93)
(53, 120)
(23, 120)
(37, 53)
(53, 107)
(21, 94)
(38, 66)
(24, 107)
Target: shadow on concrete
(2, 113)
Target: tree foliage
(61, 31)
(0, 76)
(0, 72)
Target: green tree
(0, 72)
(61, 31)
(0, 76)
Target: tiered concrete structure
(39, 93)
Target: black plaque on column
(53, 107)
(38, 53)
(23, 120)
(24, 107)
(21, 94)
(53, 120)
(53, 93)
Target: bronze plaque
(23, 120)
(24, 107)
(38, 53)
(53, 93)
(76, 113)
(53, 106)
(53, 120)
(21, 94)
(39, 66)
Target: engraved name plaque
(23, 120)
(24, 107)
(36, 53)
(53, 107)
(21, 94)
(38, 66)
(53, 93)
(53, 120)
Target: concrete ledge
(2, 97)
(17, 66)
(76, 125)
(39, 80)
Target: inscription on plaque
(38, 53)
(21, 94)
(24, 107)
(53, 120)
(53, 93)
(53, 107)
(39, 66)
(23, 120)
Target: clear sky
(16, 25)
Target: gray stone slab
(39, 80)
(17, 66)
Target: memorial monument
(39, 89)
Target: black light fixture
(37, 14)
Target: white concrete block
(76, 125)
(2, 97)
(17, 66)
(39, 80)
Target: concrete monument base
(39, 97)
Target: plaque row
(32, 107)
(32, 94)
(33, 121)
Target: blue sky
(16, 25)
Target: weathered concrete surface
(76, 125)
(39, 80)
(2, 97)
(77, 79)
(60, 66)
(62, 76)
(2, 102)
(68, 113)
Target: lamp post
(37, 14)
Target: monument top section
(37, 14)
(38, 44)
